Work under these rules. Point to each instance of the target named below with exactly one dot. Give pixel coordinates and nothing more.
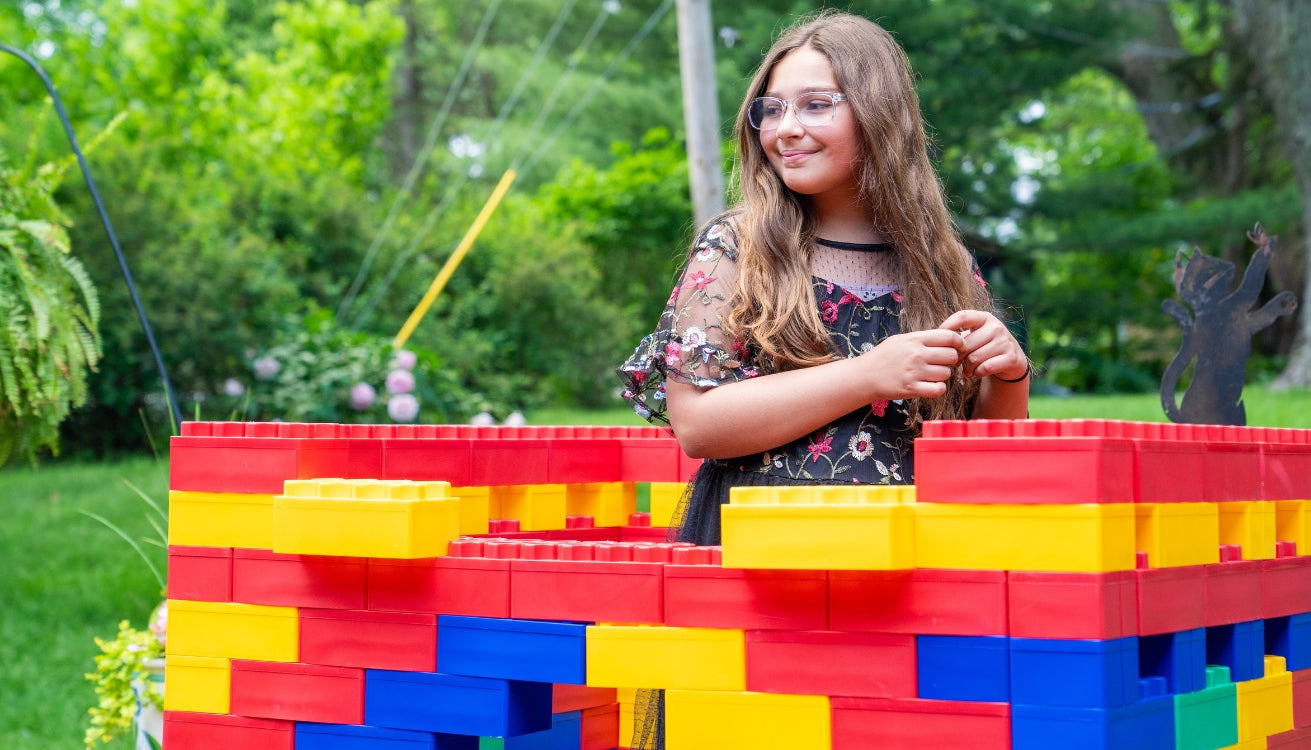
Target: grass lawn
(65, 579)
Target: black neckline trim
(859, 246)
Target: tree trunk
(1276, 33)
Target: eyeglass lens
(766, 112)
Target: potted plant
(129, 683)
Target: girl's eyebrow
(814, 88)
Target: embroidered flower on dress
(828, 311)
(699, 279)
(861, 445)
(879, 407)
(693, 337)
(672, 351)
(896, 296)
(848, 298)
(823, 446)
(888, 471)
(773, 458)
(707, 252)
(979, 278)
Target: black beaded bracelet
(1027, 369)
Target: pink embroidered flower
(673, 296)
(829, 288)
(817, 449)
(979, 278)
(848, 298)
(896, 296)
(672, 351)
(699, 279)
(879, 407)
(828, 311)
(639, 377)
(694, 337)
(739, 349)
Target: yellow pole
(460, 251)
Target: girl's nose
(790, 125)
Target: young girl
(835, 308)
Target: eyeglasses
(811, 109)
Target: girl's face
(820, 161)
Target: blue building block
(566, 733)
(1178, 657)
(534, 650)
(1240, 646)
(455, 704)
(963, 668)
(1290, 637)
(1145, 725)
(1074, 673)
(311, 736)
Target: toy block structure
(1084, 584)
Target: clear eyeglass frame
(761, 117)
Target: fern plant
(49, 315)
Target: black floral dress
(871, 445)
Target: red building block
(600, 728)
(871, 665)
(1302, 698)
(1286, 586)
(373, 640)
(586, 590)
(202, 574)
(192, 731)
(478, 587)
(1233, 592)
(1170, 599)
(251, 465)
(582, 460)
(915, 724)
(266, 577)
(434, 459)
(1285, 470)
(297, 692)
(1231, 469)
(710, 596)
(1096, 606)
(1168, 471)
(566, 698)
(650, 459)
(498, 460)
(1295, 739)
(931, 602)
(1039, 470)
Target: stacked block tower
(1077, 584)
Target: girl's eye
(816, 104)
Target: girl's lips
(792, 156)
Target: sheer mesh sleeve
(689, 344)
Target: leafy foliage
(49, 336)
(121, 661)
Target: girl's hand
(914, 365)
(990, 349)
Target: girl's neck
(845, 221)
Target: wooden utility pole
(696, 58)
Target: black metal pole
(175, 412)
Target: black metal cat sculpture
(1218, 333)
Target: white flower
(405, 359)
(362, 396)
(862, 446)
(266, 368)
(400, 381)
(233, 387)
(516, 419)
(693, 337)
(403, 407)
(482, 419)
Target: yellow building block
(1049, 538)
(695, 720)
(538, 507)
(201, 684)
(664, 501)
(1257, 744)
(1265, 705)
(1293, 523)
(365, 518)
(475, 509)
(608, 503)
(232, 631)
(220, 519)
(1251, 525)
(1177, 534)
(818, 528)
(622, 656)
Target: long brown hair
(773, 308)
